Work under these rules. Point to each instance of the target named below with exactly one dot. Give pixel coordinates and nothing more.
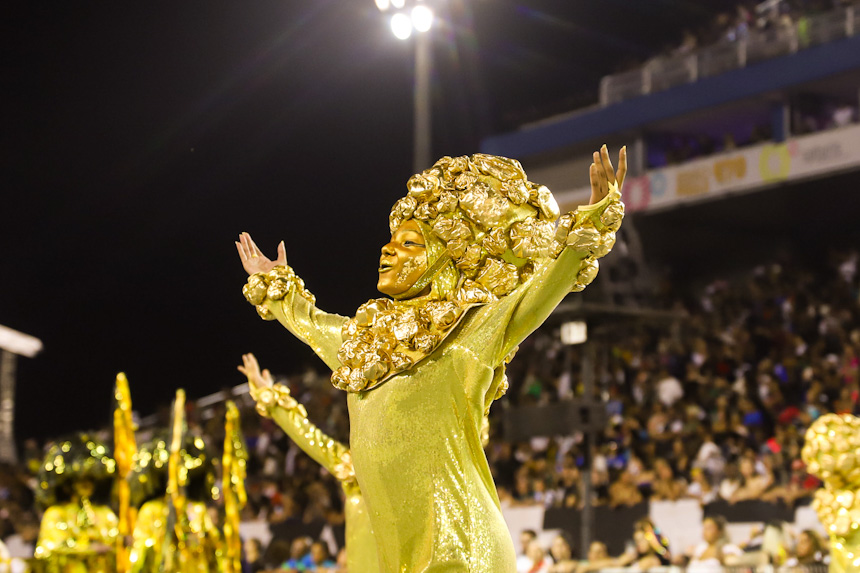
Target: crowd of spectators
(711, 404)
(774, 544)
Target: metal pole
(7, 407)
(587, 373)
(423, 69)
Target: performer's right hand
(250, 368)
(253, 260)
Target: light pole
(408, 16)
(12, 344)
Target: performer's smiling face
(403, 260)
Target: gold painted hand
(602, 174)
(253, 260)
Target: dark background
(139, 138)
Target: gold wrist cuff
(591, 230)
(279, 396)
(274, 285)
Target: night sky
(140, 138)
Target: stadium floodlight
(574, 332)
(422, 18)
(401, 25)
(383, 5)
(19, 343)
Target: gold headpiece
(485, 224)
(81, 456)
(492, 220)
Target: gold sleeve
(281, 295)
(53, 537)
(148, 535)
(278, 404)
(587, 235)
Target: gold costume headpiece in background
(80, 457)
(152, 461)
(832, 453)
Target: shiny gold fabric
(832, 452)
(416, 440)
(124, 449)
(77, 538)
(233, 472)
(416, 416)
(277, 403)
(201, 540)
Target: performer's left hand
(251, 368)
(602, 174)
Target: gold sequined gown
(67, 534)
(416, 439)
(202, 541)
(336, 458)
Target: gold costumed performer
(832, 452)
(234, 469)
(125, 449)
(478, 259)
(77, 535)
(173, 531)
(274, 401)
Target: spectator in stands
(597, 558)
(767, 546)
(276, 554)
(666, 486)
(624, 491)
(300, 555)
(526, 537)
(650, 548)
(700, 487)
(715, 550)
(800, 485)
(730, 483)
(321, 558)
(252, 561)
(809, 551)
(752, 484)
(562, 556)
(537, 560)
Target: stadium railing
(665, 72)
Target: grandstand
(743, 154)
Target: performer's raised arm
(280, 295)
(587, 234)
(274, 401)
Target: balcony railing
(666, 72)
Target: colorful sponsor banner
(743, 170)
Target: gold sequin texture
(277, 403)
(420, 373)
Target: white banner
(744, 170)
